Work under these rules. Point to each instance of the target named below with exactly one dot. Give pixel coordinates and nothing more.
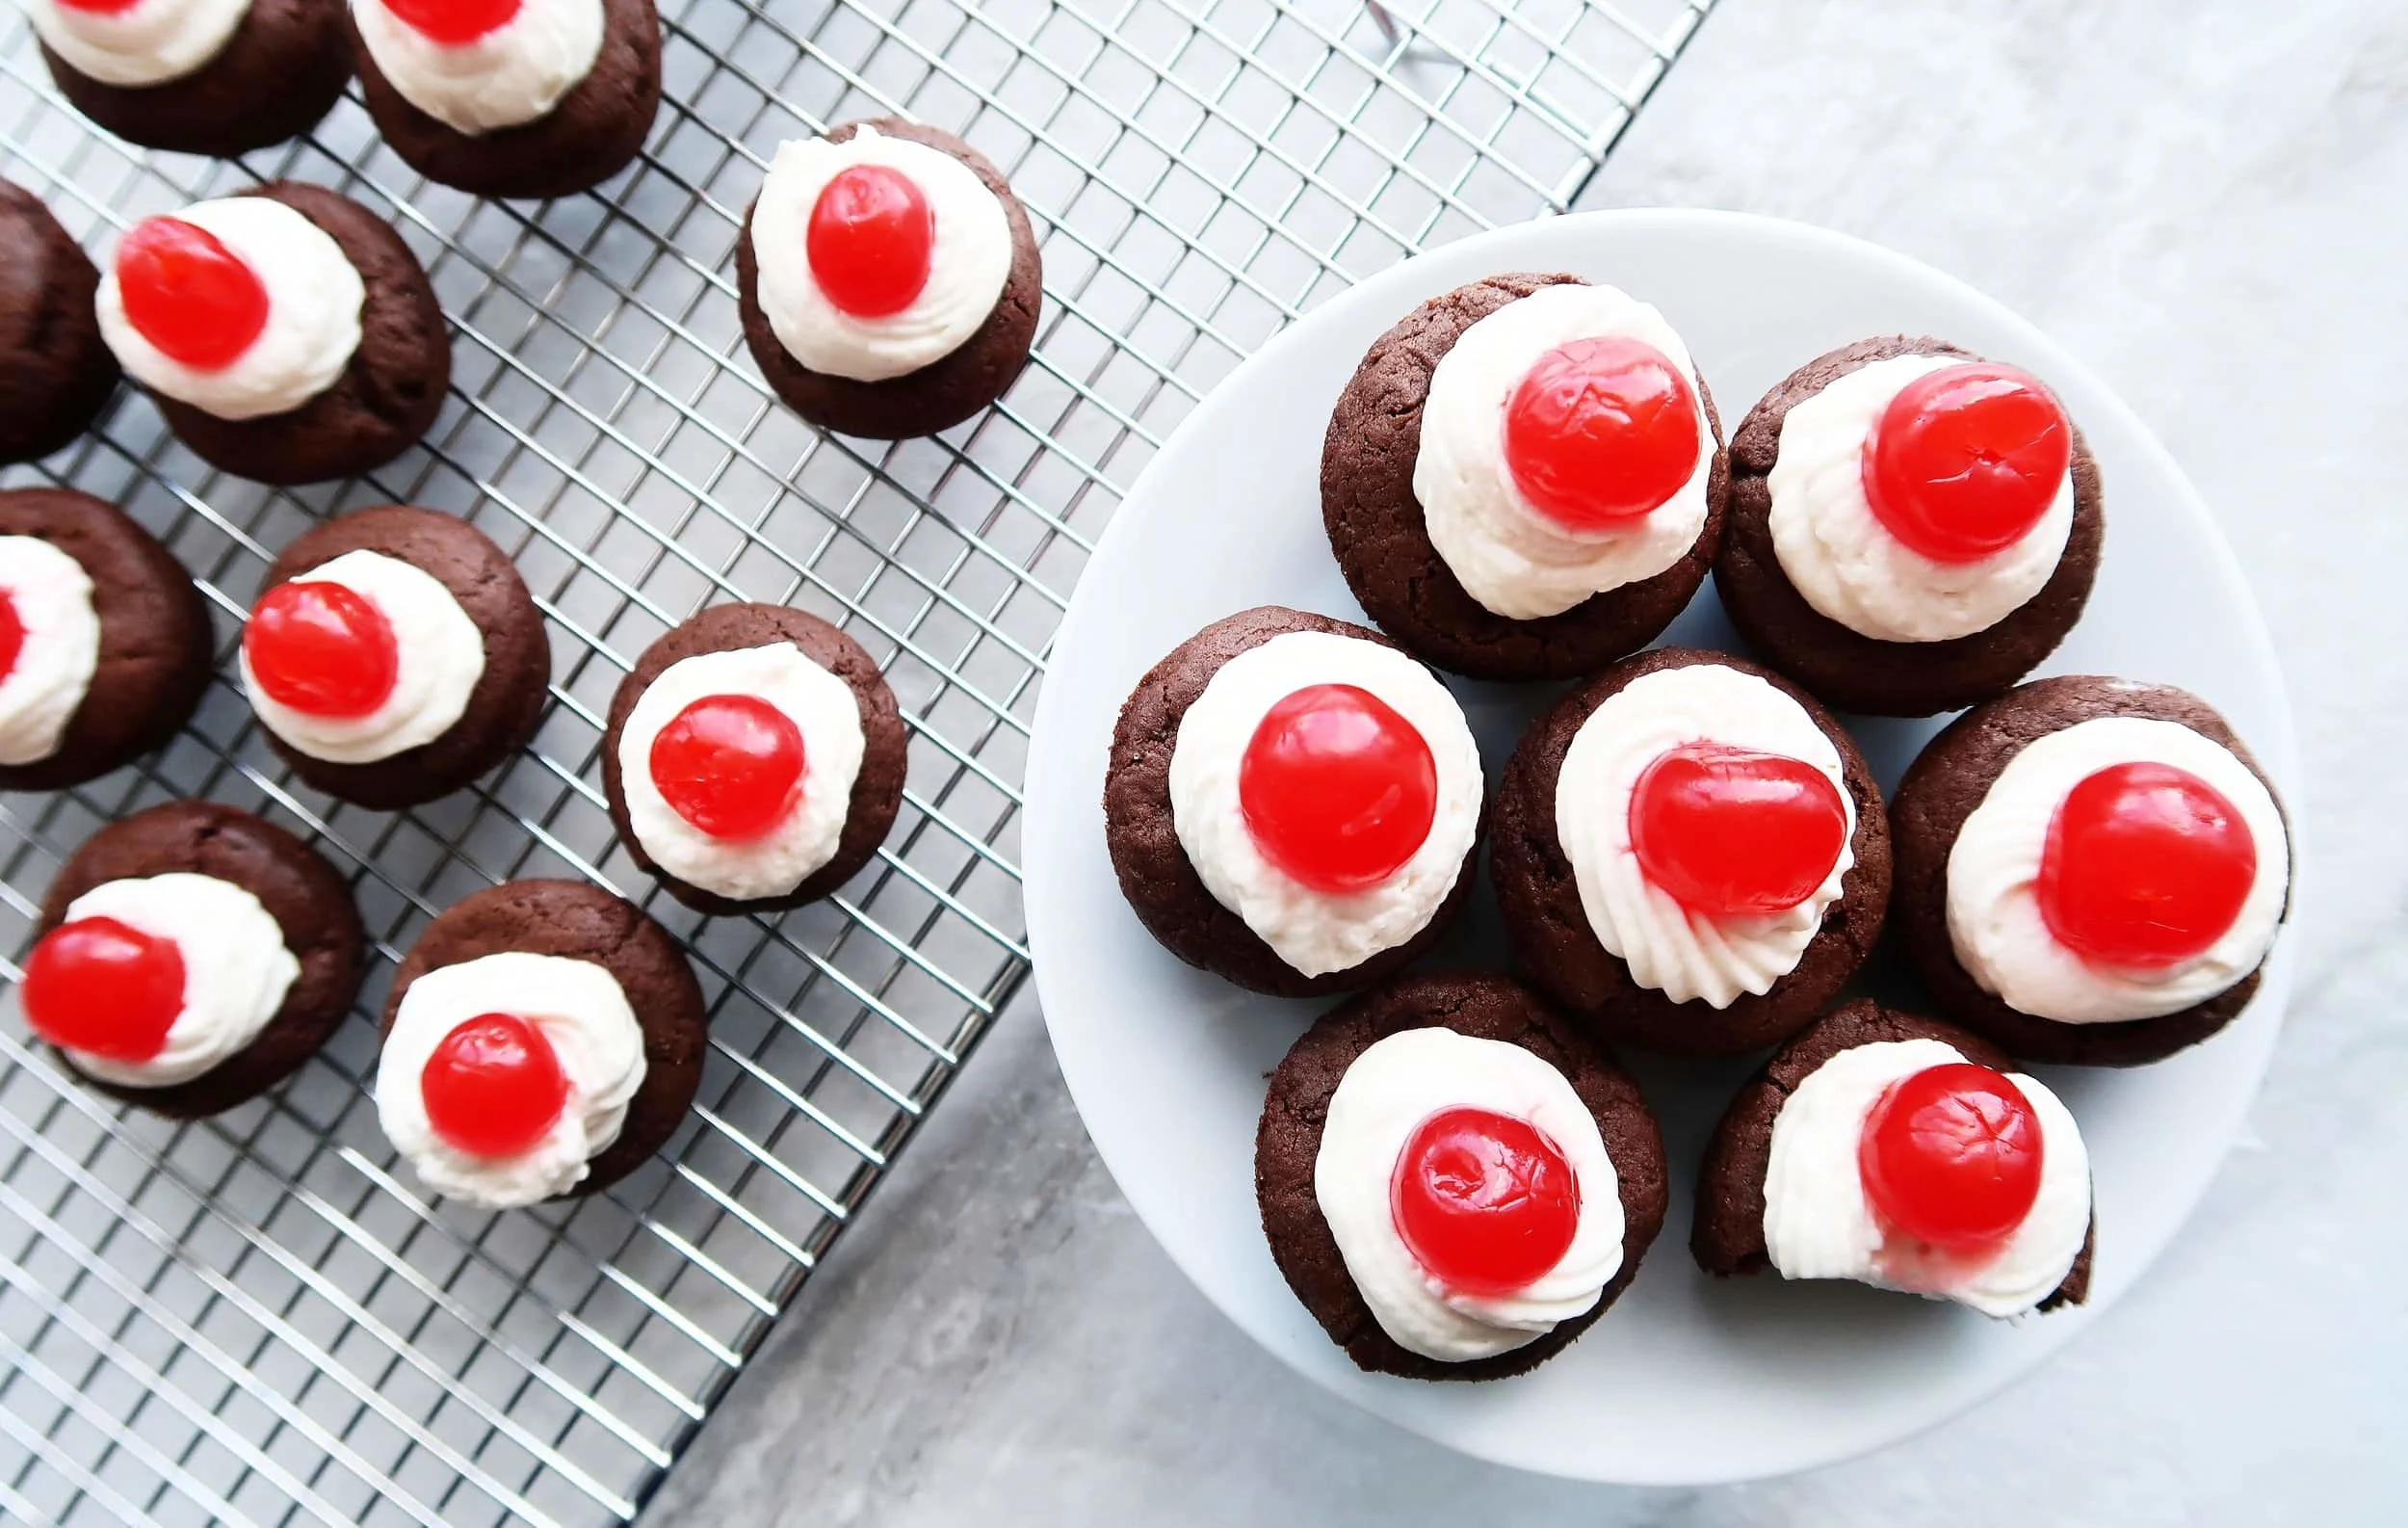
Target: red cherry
(1601, 431)
(453, 23)
(2145, 865)
(1484, 1201)
(101, 8)
(1950, 1156)
(1336, 789)
(869, 241)
(493, 1086)
(323, 648)
(104, 987)
(729, 764)
(1966, 460)
(1730, 830)
(188, 294)
(12, 634)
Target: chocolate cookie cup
(582, 922)
(878, 786)
(383, 402)
(1953, 778)
(155, 648)
(589, 135)
(505, 706)
(1141, 831)
(1843, 667)
(1377, 529)
(1727, 1234)
(1288, 1146)
(309, 900)
(945, 391)
(1556, 946)
(56, 375)
(282, 71)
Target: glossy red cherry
(1965, 461)
(1338, 790)
(729, 764)
(869, 241)
(453, 23)
(101, 8)
(188, 294)
(12, 634)
(493, 1086)
(2145, 865)
(1484, 1201)
(1601, 431)
(104, 987)
(323, 648)
(1950, 1156)
(1730, 830)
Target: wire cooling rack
(262, 1318)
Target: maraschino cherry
(1965, 461)
(729, 764)
(104, 987)
(2145, 865)
(1600, 431)
(322, 648)
(12, 634)
(453, 22)
(188, 294)
(1950, 1156)
(1336, 789)
(871, 240)
(493, 1086)
(1727, 831)
(1483, 1201)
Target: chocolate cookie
(584, 922)
(386, 398)
(1161, 884)
(506, 704)
(1727, 1236)
(1377, 528)
(309, 900)
(156, 646)
(1556, 947)
(947, 390)
(56, 375)
(1287, 1145)
(1949, 779)
(1844, 669)
(877, 789)
(284, 68)
(588, 136)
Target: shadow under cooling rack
(262, 1318)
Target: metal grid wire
(262, 1318)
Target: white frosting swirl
(823, 707)
(1994, 914)
(442, 657)
(1819, 1224)
(579, 1008)
(1319, 932)
(1386, 1093)
(314, 300)
(40, 693)
(1685, 955)
(1507, 553)
(512, 74)
(967, 266)
(1845, 562)
(150, 43)
(236, 969)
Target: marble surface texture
(2209, 200)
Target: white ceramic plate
(1687, 1379)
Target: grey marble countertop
(2208, 200)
